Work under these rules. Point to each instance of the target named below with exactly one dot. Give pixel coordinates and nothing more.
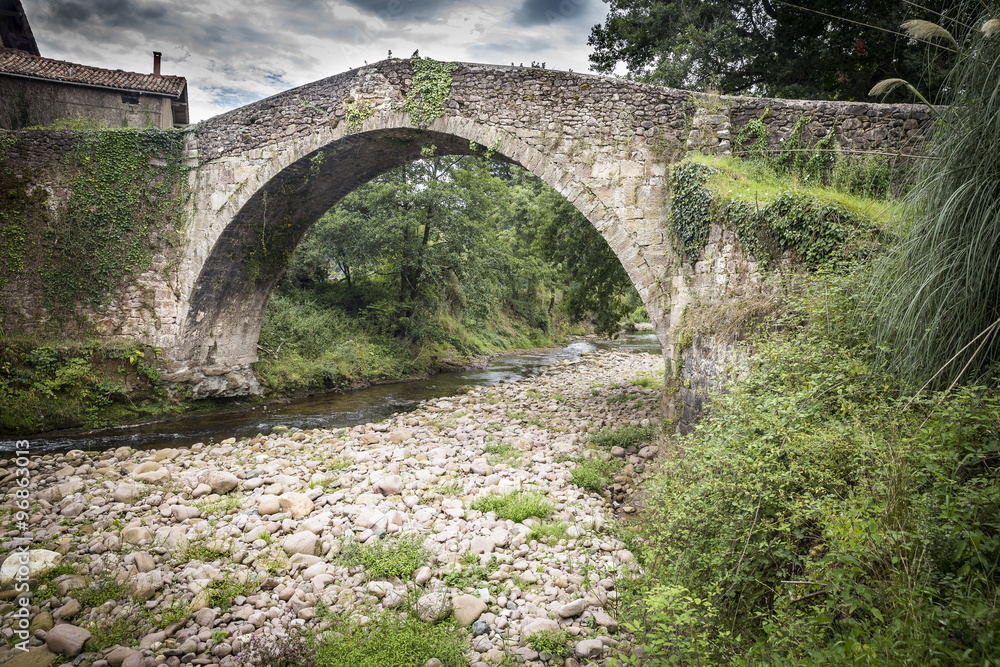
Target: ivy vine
(356, 113)
(690, 208)
(813, 232)
(126, 194)
(431, 85)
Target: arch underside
(237, 278)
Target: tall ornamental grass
(937, 312)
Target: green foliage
(431, 85)
(829, 50)
(819, 516)
(471, 575)
(222, 591)
(515, 505)
(594, 474)
(690, 208)
(624, 436)
(549, 533)
(814, 228)
(122, 203)
(502, 453)
(389, 557)
(127, 623)
(936, 295)
(390, 640)
(356, 113)
(553, 642)
(59, 384)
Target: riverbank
(483, 517)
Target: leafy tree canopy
(812, 49)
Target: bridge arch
(258, 227)
(266, 172)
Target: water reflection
(329, 411)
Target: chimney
(156, 63)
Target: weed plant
(594, 474)
(389, 557)
(624, 436)
(516, 505)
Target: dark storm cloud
(548, 12)
(409, 10)
(74, 14)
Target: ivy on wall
(431, 85)
(21, 208)
(126, 190)
(690, 208)
(812, 232)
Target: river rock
(127, 493)
(467, 609)
(136, 534)
(390, 485)
(588, 648)
(37, 562)
(302, 542)
(296, 504)
(67, 639)
(574, 608)
(40, 656)
(222, 482)
(432, 607)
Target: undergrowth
(823, 515)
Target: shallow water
(327, 411)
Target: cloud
(236, 51)
(549, 12)
(422, 11)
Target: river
(325, 411)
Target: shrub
(594, 474)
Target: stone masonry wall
(270, 169)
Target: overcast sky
(237, 51)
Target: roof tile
(22, 63)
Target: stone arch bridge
(261, 175)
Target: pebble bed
(270, 517)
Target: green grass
(388, 557)
(224, 505)
(471, 574)
(746, 181)
(501, 453)
(516, 505)
(131, 622)
(549, 533)
(624, 436)
(204, 549)
(647, 381)
(391, 640)
(450, 488)
(222, 591)
(553, 642)
(594, 474)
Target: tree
(820, 49)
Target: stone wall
(36, 174)
(887, 128)
(262, 174)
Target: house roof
(22, 63)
